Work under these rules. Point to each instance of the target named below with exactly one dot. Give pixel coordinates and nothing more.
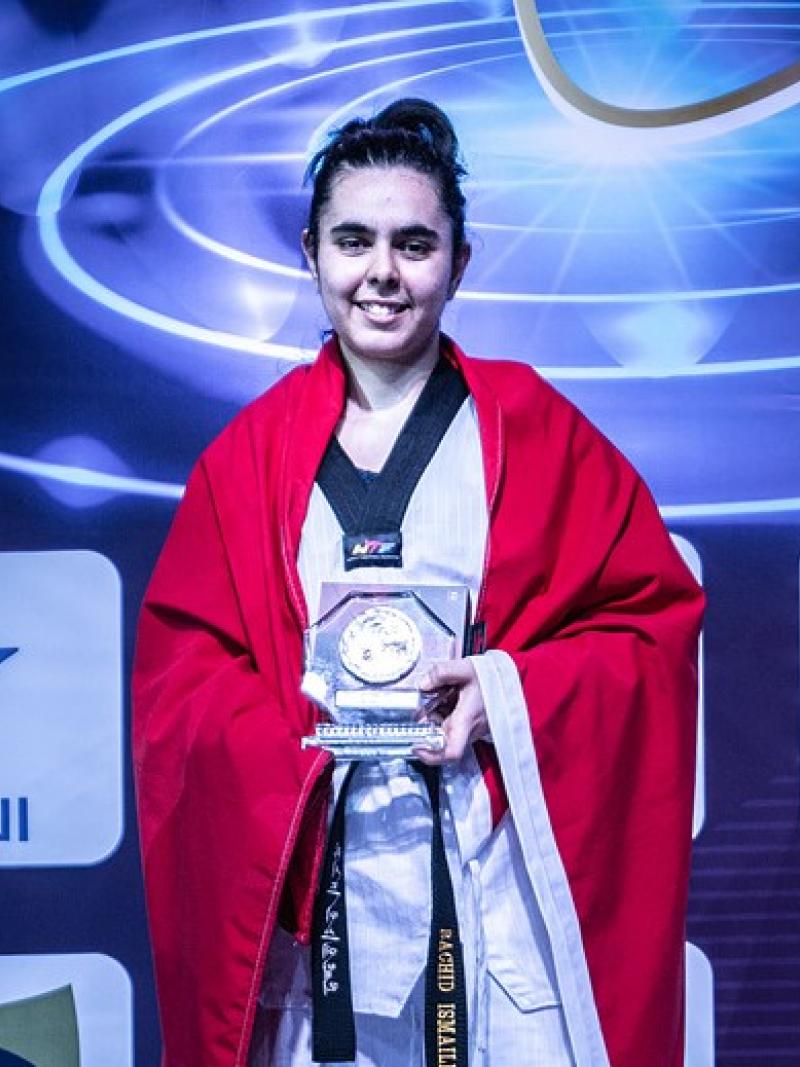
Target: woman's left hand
(460, 710)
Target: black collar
(371, 512)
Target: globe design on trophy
(381, 645)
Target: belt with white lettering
(333, 1026)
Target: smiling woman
(518, 893)
(385, 242)
(385, 266)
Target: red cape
(582, 587)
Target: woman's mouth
(379, 310)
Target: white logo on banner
(692, 561)
(60, 708)
(699, 1043)
(699, 1009)
(66, 1010)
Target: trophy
(364, 658)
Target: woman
(567, 772)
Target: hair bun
(408, 133)
(424, 119)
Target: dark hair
(410, 133)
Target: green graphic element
(42, 1029)
(8, 1059)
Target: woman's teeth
(384, 311)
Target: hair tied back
(410, 132)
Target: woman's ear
(460, 261)
(309, 251)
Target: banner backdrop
(633, 189)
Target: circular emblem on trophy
(380, 645)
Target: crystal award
(364, 658)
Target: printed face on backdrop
(384, 263)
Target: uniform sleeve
(597, 749)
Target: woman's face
(384, 263)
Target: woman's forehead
(384, 193)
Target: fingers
(457, 705)
(432, 757)
(456, 672)
(429, 757)
(441, 702)
(456, 737)
(466, 723)
(456, 732)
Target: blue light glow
(88, 479)
(52, 194)
(129, 51)
(599, 261)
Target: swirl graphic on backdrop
(753, 102)
(650, 279)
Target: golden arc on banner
(669, 125)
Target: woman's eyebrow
(350, 227)
(418, 230)
(404, 232)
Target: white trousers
(282, 1038)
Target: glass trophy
(364, 658)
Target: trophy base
(375, 742)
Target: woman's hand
(458, 708)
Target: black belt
(333, 1026)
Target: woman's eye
(351, 244)
(416, 248)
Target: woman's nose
(383, 265)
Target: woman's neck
(374, 385)
(380, 397)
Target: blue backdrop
(151, 162)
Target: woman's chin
(389, 342)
